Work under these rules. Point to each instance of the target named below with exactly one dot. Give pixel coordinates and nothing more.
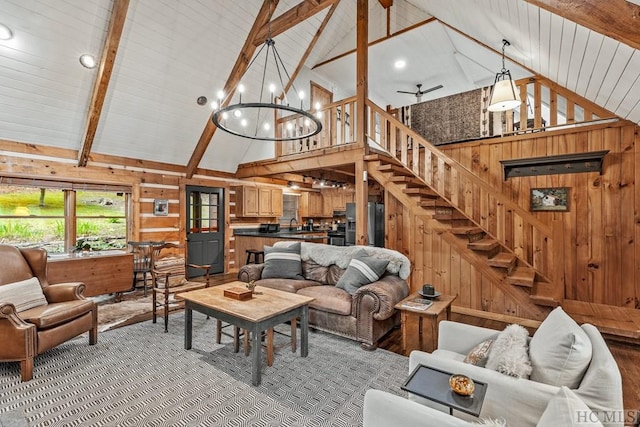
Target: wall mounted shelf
(549, 165)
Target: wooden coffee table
(267, 308)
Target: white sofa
(519, 401)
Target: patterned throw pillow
(282, 262)
(23, 295)
(479, 354)
(362, 270)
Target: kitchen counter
(284, 234)
(253, 239)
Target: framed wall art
(161, 207)
(550, 199)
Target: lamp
(504, 94)
(253, 119)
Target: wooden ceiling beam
(111, 44)
(239, 68)
(307, 52)
(386, 3)
(297, 166)
(291, 18)
(618, 19)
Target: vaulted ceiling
(170, 52)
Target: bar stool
(256, 254)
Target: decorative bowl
(462, 385)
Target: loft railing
(546, 104)
(467, 192)
(338, 128)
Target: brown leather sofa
(65, 314)
(367, 315)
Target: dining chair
(170, 279)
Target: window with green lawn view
(42, 215)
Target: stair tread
(438, 203)
(396, 169)
(448, 216)
(419, 191)
(485, 244)
(522, 276)
(381, 157)
(502, 259)
(465, 230)
(545, 301)
(409, 181)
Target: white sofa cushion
(560, 351)
(23, 295)
(565, 409)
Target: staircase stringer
(408, 201)
(447, 178)
(518, 295)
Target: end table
(420, 328)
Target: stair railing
(466, 192)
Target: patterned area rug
(140, 376)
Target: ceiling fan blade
(404, 91)
(431, 89)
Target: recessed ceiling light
(400, 64)
(88, 61)
(5, 32)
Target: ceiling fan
(421, 92)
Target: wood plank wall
(601, 229)
(156, 181)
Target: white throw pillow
(560, 351)
(509, 354)
(23, 295)
(565, 409)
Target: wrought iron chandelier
(255, 119)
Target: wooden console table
(103, 273)
(420, 328)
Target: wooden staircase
(475, 243)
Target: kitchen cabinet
(246, 201)
(254, 201)
(336, 200)
(269, 202)
(312, 205)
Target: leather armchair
(33, 331)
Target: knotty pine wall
(601, 229)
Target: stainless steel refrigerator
(375, 224)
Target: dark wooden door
(205, 228)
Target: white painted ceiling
(173, 51)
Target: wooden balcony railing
(338, 128)
(546, 104)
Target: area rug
(138, 375)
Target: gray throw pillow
(282, 262)
(362, 270)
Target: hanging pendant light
(255, 119)
(504, 94)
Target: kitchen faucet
(291, 224)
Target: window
(289, 209)
(62, 216)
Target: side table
(420, 328)
(433, 384)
